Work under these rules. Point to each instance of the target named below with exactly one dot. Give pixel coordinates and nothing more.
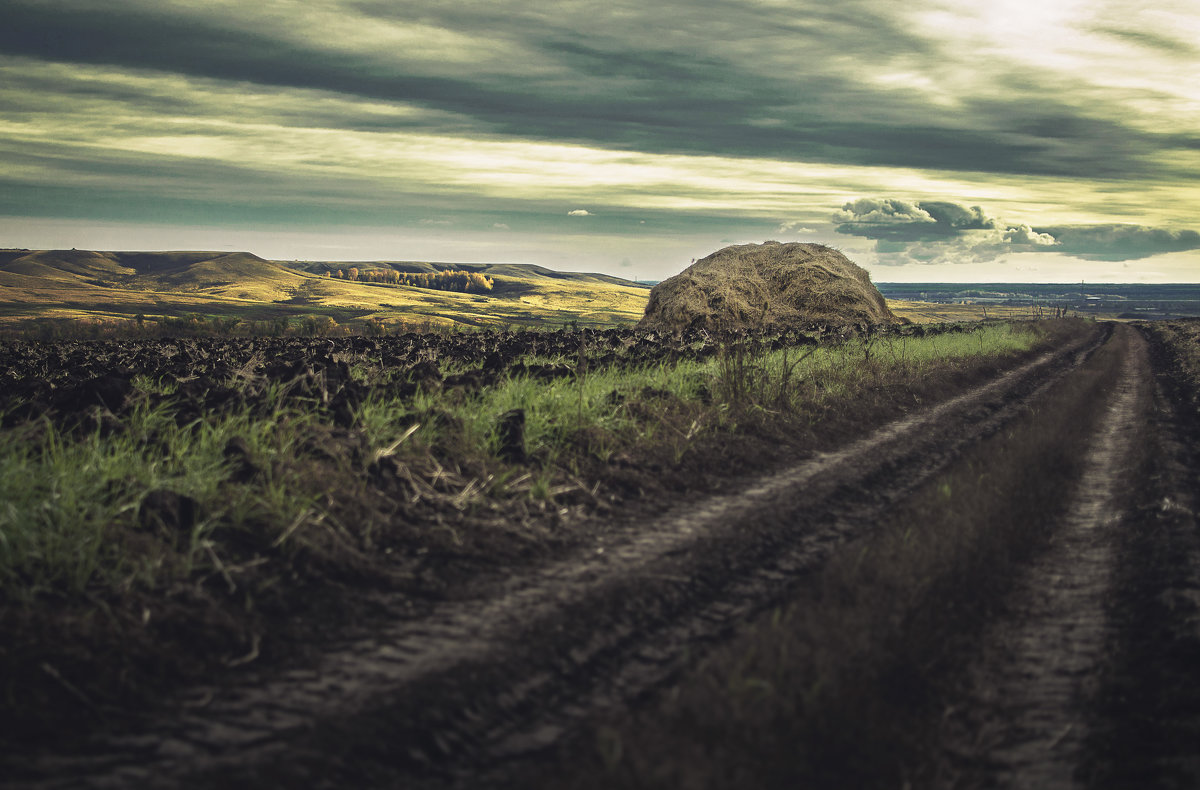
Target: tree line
(463, 282)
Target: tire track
(481, 681)
(1148, 711)
(1024, 719)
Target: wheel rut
(475, 683)
(1024, 718)
(1148, 710)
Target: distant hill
(72, 284)
(187, 269)
(43, 275)
(182, 268)
(117, 263)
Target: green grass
(615, 406)
(74, 517)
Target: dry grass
(755, 284)
(844, 687)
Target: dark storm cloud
(30, 92)
(197, 47)
(944, 232)
(730, 79)
(115, 184)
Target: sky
(1012, 140)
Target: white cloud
(500, 226)
(435, 222)
(795, 226)
(1024, 235)
(882, 212)
(579, 212)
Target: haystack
(771, 284)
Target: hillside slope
(82, 284)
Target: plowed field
(1042, 637)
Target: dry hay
(770, 284)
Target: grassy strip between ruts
(181, 543)
(847, 685)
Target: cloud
(355, 112)
(863, 83)
(435, 222)
(899, 220)
(1120, 242)
(946, 232)
(500, 226)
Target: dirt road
(452, 692)
(1023, 718)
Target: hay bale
(771, 284)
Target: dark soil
(65, 380)
(484, 662)
(1147, 712)
(73, 664)
(476, 663)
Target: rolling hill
(82, 284)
